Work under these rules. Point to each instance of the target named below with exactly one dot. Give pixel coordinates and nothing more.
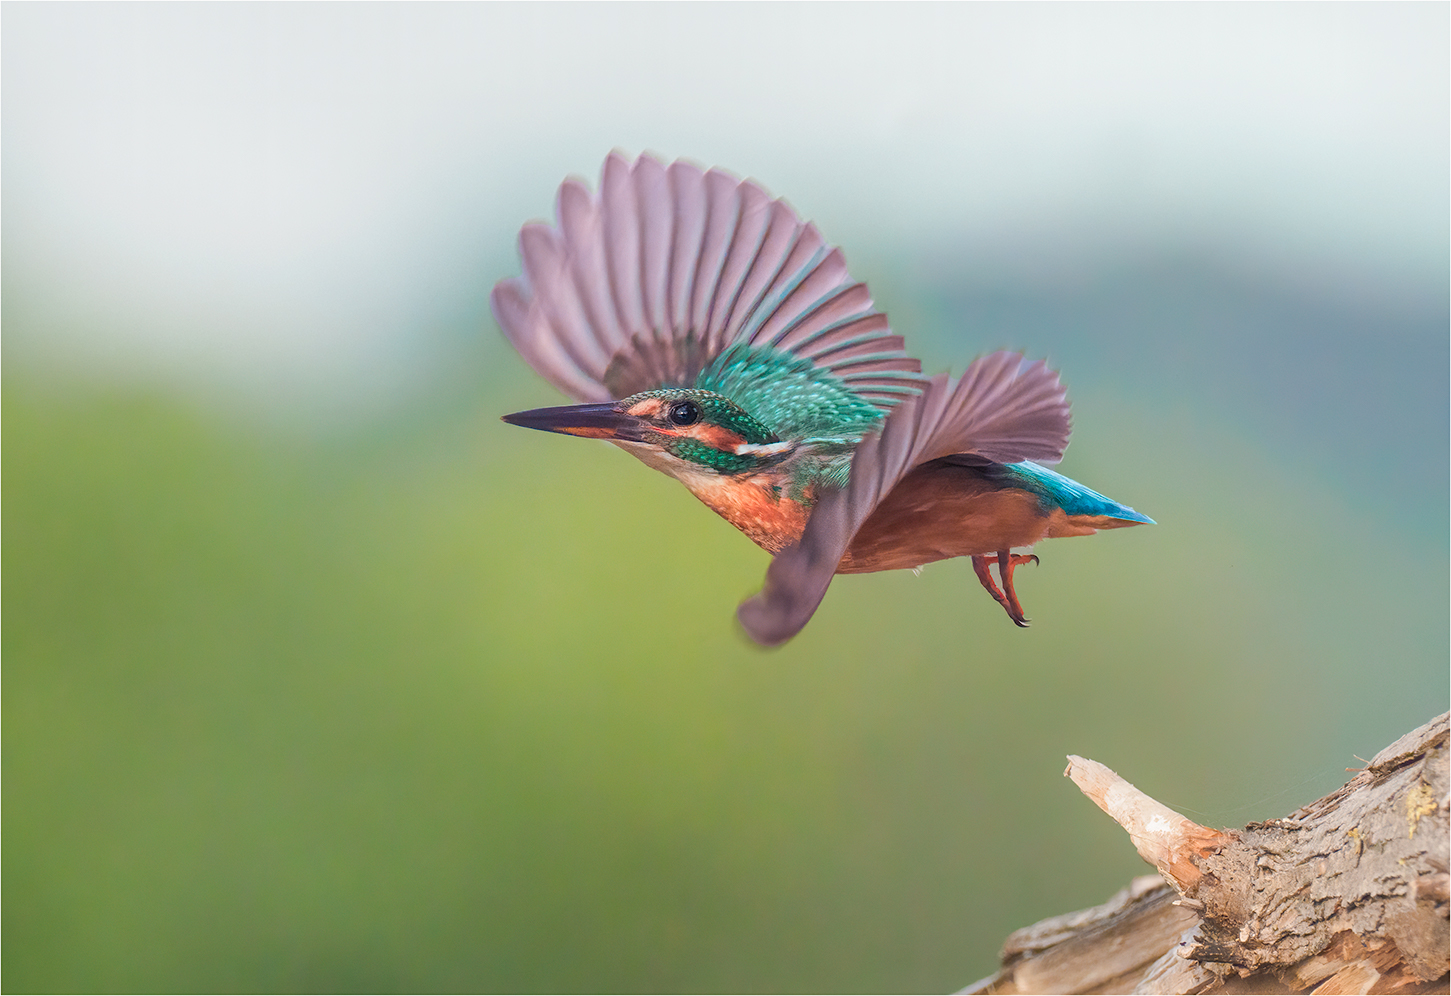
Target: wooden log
(1345, 895)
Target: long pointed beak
(605, 421)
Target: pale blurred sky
(284, 200)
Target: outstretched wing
(641, 284)
(1004, 409)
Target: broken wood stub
(1172, 843)
(1345, 895)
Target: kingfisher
(705, 328)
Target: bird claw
(1005, 596)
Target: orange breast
(753, 506)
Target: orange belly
(932, 516)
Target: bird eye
(685, 413)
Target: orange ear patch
(714, 436)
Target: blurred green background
(320, 678)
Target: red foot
(1007, 561)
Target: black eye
(685, 413)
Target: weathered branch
(1347, 894)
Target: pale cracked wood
(1346, 895)
(1170, 842)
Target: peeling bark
(1345, 895)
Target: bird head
(683, 432)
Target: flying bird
(708, 330)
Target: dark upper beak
(606, 421)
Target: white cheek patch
(762, 449)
